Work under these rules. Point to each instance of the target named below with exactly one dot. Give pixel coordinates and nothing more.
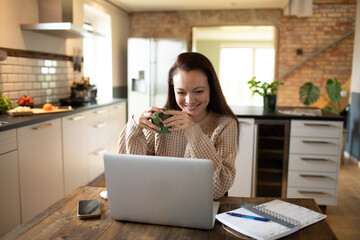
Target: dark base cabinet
(271, 165)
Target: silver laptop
(161, 190)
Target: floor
(344, 219)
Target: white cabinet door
(41, 168)
(98, 141)
(75, 151)
(9, 188)
(117, 120)
(9, 183)
(242, 186)
(96, 162)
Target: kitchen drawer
(75, 118)
(98, 112)
(321, 196)
(96, 162)
(98, 129)
(322, 146)
(8, 141)
(326, 129)
(312, 179)
(40, 128)
(313, 163)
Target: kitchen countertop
(284, 113)
(22, 121)
(281, 113)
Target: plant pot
(269, 103)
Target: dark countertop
(282, 113)
(241, 112)
(22, 121)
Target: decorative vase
(269, 103)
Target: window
(97, 52)
(237, 66)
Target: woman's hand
(143, 119)
(179, 121)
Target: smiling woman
(201, 126)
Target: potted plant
(309, 94)
(267, 90)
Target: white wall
(15, 12)
(355, 74)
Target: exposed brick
(328, 23)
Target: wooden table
(59, 221)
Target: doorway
(238, 53)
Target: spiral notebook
(285, 218)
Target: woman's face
(192, 93)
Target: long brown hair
(191, 61)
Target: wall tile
(45, 80)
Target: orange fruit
(48, 106)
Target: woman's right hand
(143, 119)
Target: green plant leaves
(264, 88)
(309, 93)
(5, 104)
(333, 89)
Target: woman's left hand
(179, 121)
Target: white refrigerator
(149, 61)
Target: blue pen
(247, 216)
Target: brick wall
(329, 22)
(179, 24)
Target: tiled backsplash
(44, 80)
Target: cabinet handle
(43, 126)
(317, 124)
(100, 125)
(316, 159)
(100, 111)
(313, 192)
(100, 152)
(77, 118)
(319, 142)
(313, 176)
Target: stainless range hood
(56, 19)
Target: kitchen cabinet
(44, 156)
(74, 142)
(40, 166)
(244, 159)
(117, 120)
(98, 141)
(86, 137)
(311, 145)
(314, 160)
(9, 182)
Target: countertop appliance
(80, 94)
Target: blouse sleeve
(135, 140)
(221, 148)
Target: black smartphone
(88, 209)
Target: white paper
(270, 230)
